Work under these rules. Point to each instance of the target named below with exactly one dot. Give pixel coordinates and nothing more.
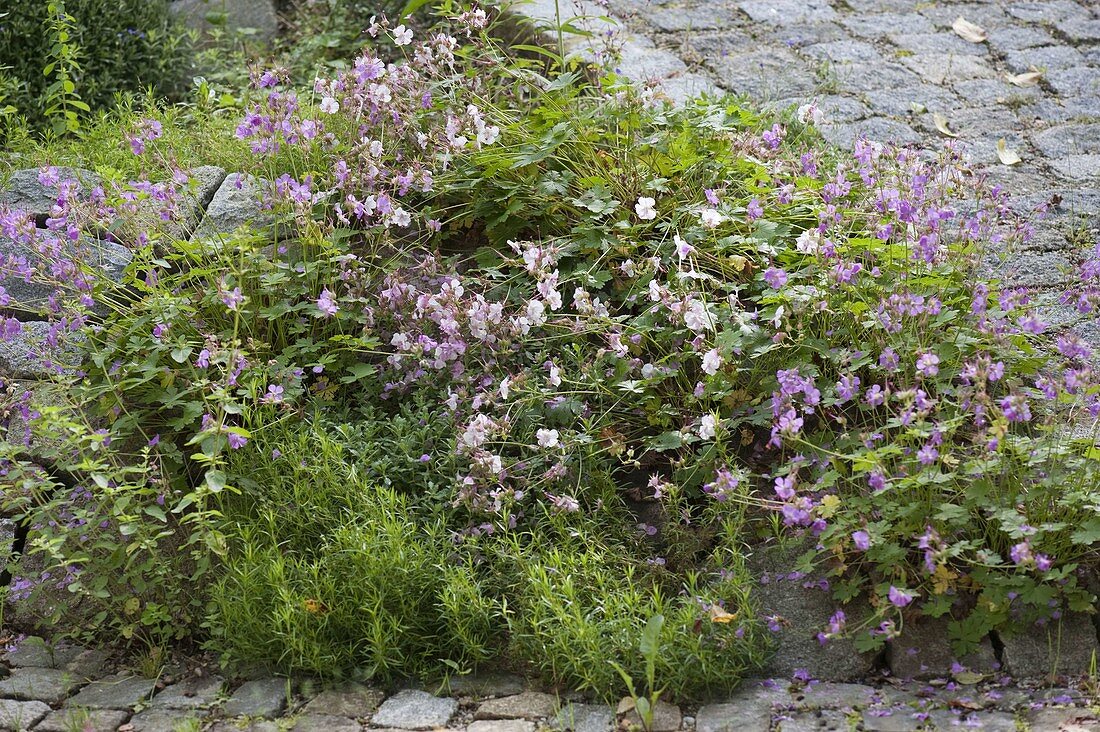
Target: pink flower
(326, 304)
(898, 597)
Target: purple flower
(888, 359)
(876, 480)
(1015, 408)
(847, 387)
(775, 277)
(927, 455)
(326, 304)
(899, 597)
(236, 441)
(784, 487)
(1020, 553)
(754, 210)
(928, 364)
(862, 540)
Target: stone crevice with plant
(531, 360)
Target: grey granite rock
(666, 717)
(48, 685)
(411, 709)
(831, 695)
(803, 612)
(526, 705)
(584, 718)
(350, 701)
(25, 192)
(746, 713)
(501, 725)
(84, 720)
(1065, 646)
(815, 721)
(194, 693)
(923, 651)
(324, 723)
(258, 698)
(184, 212)
(94, 258)
(236, 204)
(28, 355)
(121, 691)
(21, 715)
(164, 720)
(35, 651)
(1071, 719)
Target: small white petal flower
(708, 427)
(645, 208)
(712, 361)
(711, 218)
(547, 438)
(330, 105)
(402, 36)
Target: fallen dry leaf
(1028, 78)
(941, 125)
(968, 677)
(968, 31)
(1006, 156)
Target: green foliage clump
(113, 47)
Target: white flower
(645, 208)
(649, 371)
(505, 387)
(547, 438)
(683, 249)
(400, 217)
(488, 134)
(330, 105)
(402, 36)
(810, 113)
(477, 431)
(536, 312)
(555, 375)
(712, 361)
(808, 241)
(708, 426)
(697, 317)
(627, 268)
(711, 218)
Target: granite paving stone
(21, 715)
(258, 698)
(121, 691)
(48, 685)
(815, 721)
(412, 709)
(193, 693)
(34, 651)
(584, 718)
(748, 714)
(501, 725)
(83, 720)
(164, 720)
(326, 723)
(1066, 646)
(530, 705)
(353, 700)
(666, 717)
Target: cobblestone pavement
(897, 71)
(67, 688)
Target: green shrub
(626, 339)
(123, 46)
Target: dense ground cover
(530, 358)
